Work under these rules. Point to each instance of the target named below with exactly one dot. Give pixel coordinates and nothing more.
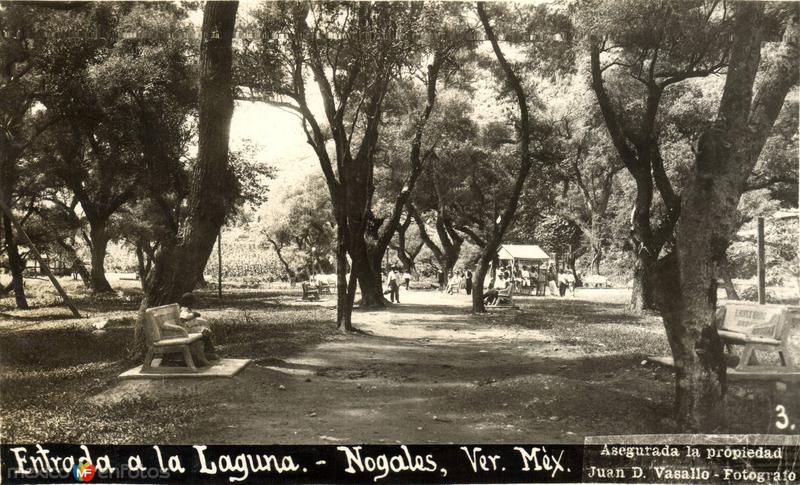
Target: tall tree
(353, 51)
(180, 261)
(122, 101)
(589, 173)
(19, 84)
(445, 30)
(637, 51)
(450, 130)
(726, 156)
(524, 131)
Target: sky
(277, 135)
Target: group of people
(541, 281)
(459, 279)
(393, 281)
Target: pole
(761, 266)
(219, 264)
(42, 263)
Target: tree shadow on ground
(20, 317)
(478, 393)
(416, 308)
(61, 347)
(583, 312)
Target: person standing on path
(407, 280)
(468, 283)
(394, 286)
(551, 281)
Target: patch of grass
(594, 327)
(62, 347)
(276, 332)
(135, 419)
(50, 367)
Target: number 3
(783, 422)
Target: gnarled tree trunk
(726, 155)
(377, 250)
(97, 275)
(489, 251)
(16, 263)
(450, 241)
(642, 297)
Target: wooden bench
(309, 292)
(505, 297)
(164, 336)
(758, 328)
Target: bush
(751, 294)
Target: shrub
(751, 294)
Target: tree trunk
(642, 289)
(178, 265)
(640, 153)
(289, 271)
(451, 245)
(478, 280)
(140, 264)
(571, 264)
(17, 265)
(524, 133)
(8, 179)
(406, 258)
(345, 289)
(83, 273)
(641, 237)
(450, 240)
(366, 270)
(689, 318)
(596, 258)
(97, 276)
(597, 254)
(144, 260)
(180, 260)
(726, 155)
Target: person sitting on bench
(493, 294)
(193, 323)
(454, 283)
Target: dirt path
(427, 371)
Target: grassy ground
(425, 371)
(51, 366)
